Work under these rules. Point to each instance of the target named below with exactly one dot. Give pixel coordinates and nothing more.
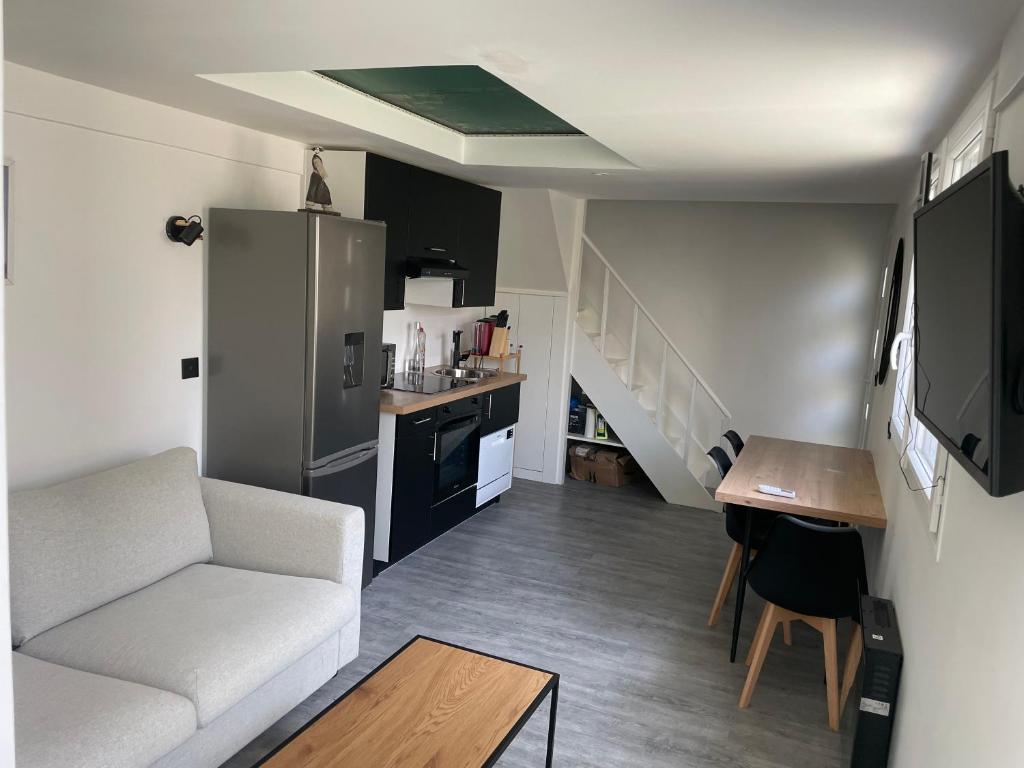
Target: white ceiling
(797, 100)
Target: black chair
(815, 574)
(735, 524)
(735, 441)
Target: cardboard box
(603, 466)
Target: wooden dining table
(831, 483)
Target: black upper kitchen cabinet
(434, 215)
(479, 220)
(387, 199)
(500, 409)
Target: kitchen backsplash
(438, 322)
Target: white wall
(773, 304)
(528, 244)
(102, 306)
(438, 324)
(538, 231)
(6, 689)
(97, 325)
(957, 592)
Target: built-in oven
(456, 448)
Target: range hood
(435, 266)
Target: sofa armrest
(263, 530)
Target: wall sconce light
(182, 230)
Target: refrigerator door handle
(340, 466)
(323, 461)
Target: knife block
(499, 342)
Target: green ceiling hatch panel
(466, 99)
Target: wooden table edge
(550, 685)
(774, 504)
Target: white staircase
(654, 400)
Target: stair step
(607, 375)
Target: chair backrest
(735, 441)
(811, 569)
(735, 516)
(721, 460)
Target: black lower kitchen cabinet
(413, 483)
(437, 466)
(452, 511)
(499, 409)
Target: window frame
(917, 447)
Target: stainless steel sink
(472, 374)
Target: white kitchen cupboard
(538, 323)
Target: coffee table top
(431, 703)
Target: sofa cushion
(83, 543)
(66, 717)
(209, 633)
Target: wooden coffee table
(431, 704)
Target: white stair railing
(685, 410)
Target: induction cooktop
(427, 384)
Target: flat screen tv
(969, 330)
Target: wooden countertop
(830, 482)
(402, 403)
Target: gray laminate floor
(610, 588)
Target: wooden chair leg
(828, 633)
(787, 632)
(761, 643)
(732, 567)
(852, 662)
(757, 633)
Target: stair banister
(689, 425)
(604, 311)
(698, 379)
(659, 416)
(630, 371)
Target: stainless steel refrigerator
(294, 321)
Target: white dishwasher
(495, 474)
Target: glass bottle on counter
(419, 353)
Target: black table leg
(551, 724)
(741, 585)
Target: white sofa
(163, 619)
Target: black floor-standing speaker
(871, 710)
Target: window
(922, 452)
(935, 179)
(968, 157)
(902, 404)
(917, 444)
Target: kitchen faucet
(456, 348)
